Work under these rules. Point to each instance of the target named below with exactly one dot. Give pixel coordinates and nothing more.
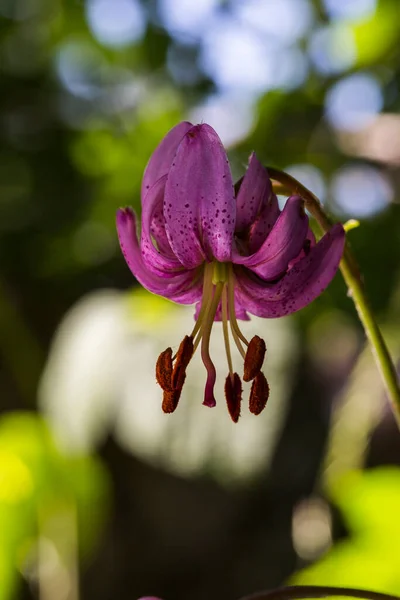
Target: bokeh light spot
(353, 102)
(236, 58)
(310, 177)
(361, 190)
(350, 9)
(116, 22)
(295, 17)
(186, 19)
(231, 116)
(332, 49)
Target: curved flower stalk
(229, 253)
(297, 592)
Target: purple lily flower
(231, 254)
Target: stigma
(218, 298)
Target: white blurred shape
(353, 102)
(232, 116)
(100, 376)
(295, 17)
(310, 177)
(361, 190)
(80, 380)
(332, 49)
(186, 18)
(116, 23)
(311, 528)
(350, 9)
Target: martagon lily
(229, 249)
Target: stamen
(259, 394)
(236, 333)
(207, 295)
(233, 395)
(164, 369)
(170, 400)
(254, 358)
(224, 302)
(183, 356)
(209, 399)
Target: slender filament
(225, 328)
(236, 333)
(207, 294)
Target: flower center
(218, 299)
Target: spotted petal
(263, 224)
(301, 285)
(158, 262)
(185, 288)
(282, 245)
(162, 157)
(253, 194)
(198, 198)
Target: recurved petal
(253, 194)
(160, 263)
(162, 157)
(282, 245)
(199, 203)
(184, 288)
(263, 224)
(300, 286)
(309, 243)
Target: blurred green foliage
(370, 558)
(39, 485)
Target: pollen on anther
(183, 356)
(233, 395)
(164, 369)
(170, 400)
(259, 394)
(254, 358)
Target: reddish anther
(233, 395)
(164, 369)
(259, 394)
(184, 354)
(170, 400)
(254, 358)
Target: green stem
(297, 592)
(351, 275)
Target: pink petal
(300, 286)
(184, 288)
(263, 224)
(253, 195)
(162, 157)
(199, 203)
(282, 245)
(162, 264)
(309, 243)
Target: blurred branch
(352, 277)
(297, 592)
